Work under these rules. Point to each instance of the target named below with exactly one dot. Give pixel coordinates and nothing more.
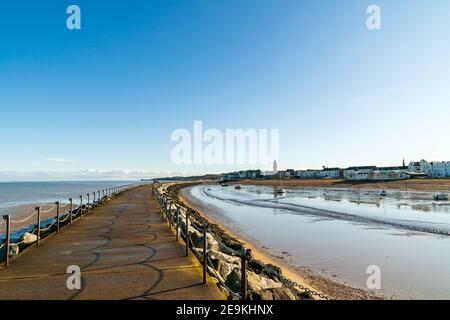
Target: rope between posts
(23, 220)
(48, 228)
(219, 277)
(222, 245)
(66, 218)
(290, 283)
(48, 210)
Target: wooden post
(187, 233)
(205, 230)
(38, 224)
(169, 216)
(93, 199)
(178, 224)
(7, 219)
(162, 207)
(71, 210)
(81, 207)
(57, 216)
(89, 202)
(244, 273)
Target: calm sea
(14, 194)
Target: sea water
(341, 233)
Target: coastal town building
(308, 174)
(415, 169)
(240, 175)
(319, 174)
(378, 176)
(440, 169)
(363, 170)
(421, 166)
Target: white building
(308, 174)
(421, 166)
(365, 170)
(331, 173)
(440, 169)
(377, 176)
(319, 174)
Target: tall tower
(404, 163)
(275, 167)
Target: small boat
(441, 196)
(238, 187)
(383, 193)
(280, 191)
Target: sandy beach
(301, 275)
(411, 185)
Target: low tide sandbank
(300, 274)
(431, 185)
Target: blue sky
(104, 100)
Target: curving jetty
(124, 250)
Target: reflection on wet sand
(343, 231)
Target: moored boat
(441, 196)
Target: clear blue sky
(108, 97)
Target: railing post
(244, 273)
(57, 216)
(88, 202)
(7, 219)
(81, 207)
(93, 199)
(187, 233)
(169, 218)
(178, 224)
(205, 230)
(71, 210)
(99, 197)
(38, 224)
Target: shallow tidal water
(341, 232)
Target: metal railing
(42, 228)
(180, 218)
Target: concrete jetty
(124, 250)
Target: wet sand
(301, 275)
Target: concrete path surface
(125, 251)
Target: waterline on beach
(294, 228)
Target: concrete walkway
(124, 250)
